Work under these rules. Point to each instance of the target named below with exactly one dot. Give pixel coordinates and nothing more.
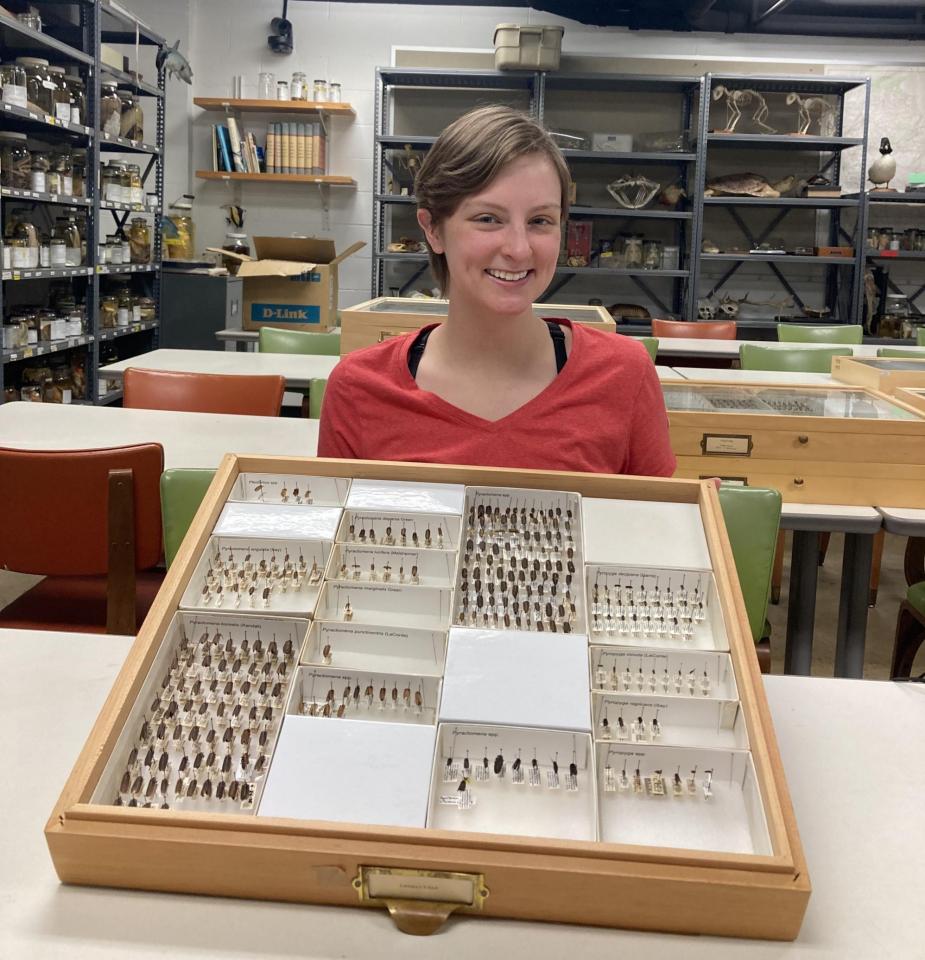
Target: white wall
(344, 42)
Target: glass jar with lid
(334, 93)
(111, 176)
(146, 309)
(125, 182)
(39, 85)
(66, 230)
(32, 20)
(74, 323)
(31, 392)
(57, 253)
(179, 235)
(235, 243)
(77, 91)
(320, 91)
(298, 86)
(109, 312)
(132, 116)
(136, 191)
(13, 79)
(110, 108)
(113, 249)
(24, 229)
(633, 252)
(62, 386)
(19, 253)
(139, 241)
(40, 166)
(79, 375)
(15, 161)
(78, 174)
(124, 310)
(652, 254)
(64, 167)
(60, 96)
(126, 247)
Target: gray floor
(881, 619)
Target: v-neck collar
(463, 416)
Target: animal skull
(706, 310)
(633, 191)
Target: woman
(494, 385)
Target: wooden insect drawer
(884, 374)
(838, 444)
(376, 320)
(398, 758)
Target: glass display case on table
(377, 320)
(883, 374)
(441, 688)
(839, 444)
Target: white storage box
(612, 142)
(527, 46)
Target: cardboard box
(291, 283)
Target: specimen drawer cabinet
(841, 444)
(335, 653)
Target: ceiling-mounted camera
(280, 41)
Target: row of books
(291, 148)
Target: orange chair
(701, 329)
(259, 395)
(90, 521)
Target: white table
(778, 377)
(696, 347)
(856, 783)
(668, 374)
(297, 368)
(188, 439)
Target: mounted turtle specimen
(628, 311)
(747, 185)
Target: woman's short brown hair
(469, 154)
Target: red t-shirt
(603, 413)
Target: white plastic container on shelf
(527, 46)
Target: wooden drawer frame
(809, 459)
(642, 887)
(882, 378)
(363, 326)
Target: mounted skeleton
(737, 100)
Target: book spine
(316, 148)
(286, 138)
(309, 147)
(224, 147)
(270, 148)
(235, 139)
(300, 149)
(215, 166)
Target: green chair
(910, 630)
(899, 352)
(315, 396)
(277, 340)
(752, 516)
(651, 344)
(798, 360)
(818, 333)
(182, 491)
(920, 336)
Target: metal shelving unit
(884, 257)
(76, 41)
(541, 88)
(844, 276)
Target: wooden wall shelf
(275, 106)
(330, 180)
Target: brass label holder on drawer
(726, 444)
(420, 901)
(388, 334)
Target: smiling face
(502, 243)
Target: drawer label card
(726, 444)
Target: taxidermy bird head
(885, 147)
(171, 60)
